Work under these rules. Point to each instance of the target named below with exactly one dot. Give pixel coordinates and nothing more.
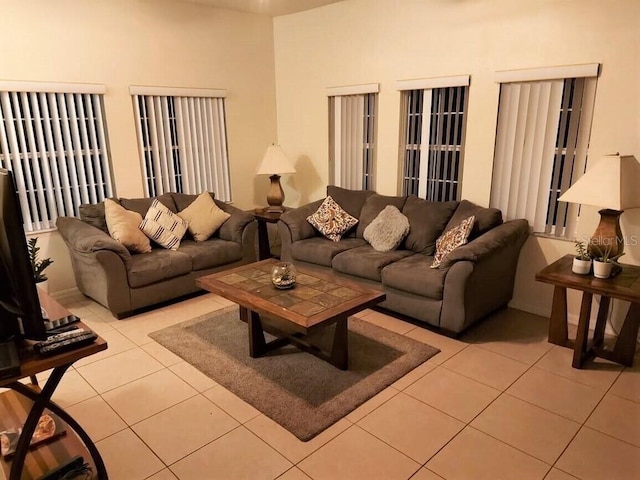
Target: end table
(624, 286)
(263, 217)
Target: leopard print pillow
(331, 220)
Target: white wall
(120, 43)
(363, 41)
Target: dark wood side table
(624, 286)
(30, 401)
(263, 217)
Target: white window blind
(352, 125)
(55, 145)
(541, 149)
(182, 143)
(432, 135)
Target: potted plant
(38, 265)
(582, 260)
(603, 265)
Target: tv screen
(20, 313)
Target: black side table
(263, 217)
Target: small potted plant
(603, 265)
(582, 260)
(37, 264)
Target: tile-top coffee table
(293, 316)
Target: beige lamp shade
(611, 183)
(275, 161)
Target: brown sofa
(472, 281)
(124, 282)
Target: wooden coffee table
(293, 316)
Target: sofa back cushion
(141, 205)
(183, 200)
(350, 200)
(373, 205)
(428, 220)
(93, 214)
(486, 218)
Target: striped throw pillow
(163, 226)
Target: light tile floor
(500, 403)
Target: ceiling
(271, 8)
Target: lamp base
(608, 236)
(275, 197)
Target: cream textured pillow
(387, 230)
(123, 227)
(331, 220)
(452, 239)
(163, 226)
(204, 217)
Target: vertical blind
(541, 149)
(432, 136)
(352, 125)
(55, 145)
(182, 143)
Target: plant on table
(38, 265)
(582, 260)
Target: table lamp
(275, 163)
(612, 183)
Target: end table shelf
(624, 286)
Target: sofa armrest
(296, 223)
(233, 229)
(84, 238)
(508, 233)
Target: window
(432, 137)
(352, 131)
(53, 139)
(542, 140)
(182, 141)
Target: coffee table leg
(257, 344)
(340, 348)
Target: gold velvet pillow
(163, 226)
(331, 220)
(452, 239)
(123, 227)
(204, 217)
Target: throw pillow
(331, 220)
(387, 230)
(123, 227)
(204, 217)
(452, 239)
(163, 226)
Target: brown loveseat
(472, 281)
(123, 282)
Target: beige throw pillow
(452, 239)
(204, 217)
(331, 220)
(387, 230)
(163, 226)
(123, 227)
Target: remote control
(65, 343)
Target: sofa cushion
(413, 275)
(373, 205)
(452, 239)
(203, 216)
(211, 253)
(331, 220)
(141, 205)
(183, 200)
(93, 214)
(123, 227)
(320, 250)
(387, 230)
(157, 266)
(350, 200)
(428, 220)
(366, 262)
(486, 218)
(163, 226)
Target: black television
(20, 312)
